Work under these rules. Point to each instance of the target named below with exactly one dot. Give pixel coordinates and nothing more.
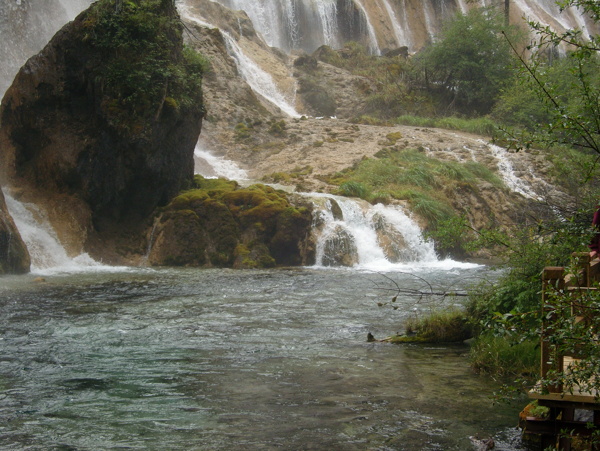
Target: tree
(568, 87)
(471, 61)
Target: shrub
(353, 189)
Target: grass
(412, 176)
(478, 126)
(443, 326)
(496, 355)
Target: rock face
(108, 114)
(14, 257)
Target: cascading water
(260, 81)
(399, 31)
(352, 232)
(308, 24)
(373, 45)
(506, 170)
(46, 252)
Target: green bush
(470, 62)
(354, 189)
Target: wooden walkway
(572, 410)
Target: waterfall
(352, 232)
(429, 19)
(328, 18)
(259, 80)
(47, 253)
(506, 170)
(401, 36)
(373, 45)
(26, 27)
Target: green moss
(393, 137)
(214, 185)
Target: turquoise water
(222, 359)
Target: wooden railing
(564, 406)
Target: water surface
(222, 359)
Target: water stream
(259, 80)
(185, 359)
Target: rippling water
(221, 359)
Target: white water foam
(359, 220)
(48, 256)
(209, 165)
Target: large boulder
(107, 113)
(220, 224)
(14, 257)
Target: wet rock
(14, 257)
(340, 249)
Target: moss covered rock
(220, 224)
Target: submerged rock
(14, 257)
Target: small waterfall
(463, 6)
(209, 165)
(328, 18)
(260, 81)
(351, 232)
(373, 45)
(42, 243)
(429, 15)
(26, 27)
(506, 170)
(401, 36)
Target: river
(181, 359)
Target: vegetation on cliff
(139, 64)
(462, 72)
(220, 224)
